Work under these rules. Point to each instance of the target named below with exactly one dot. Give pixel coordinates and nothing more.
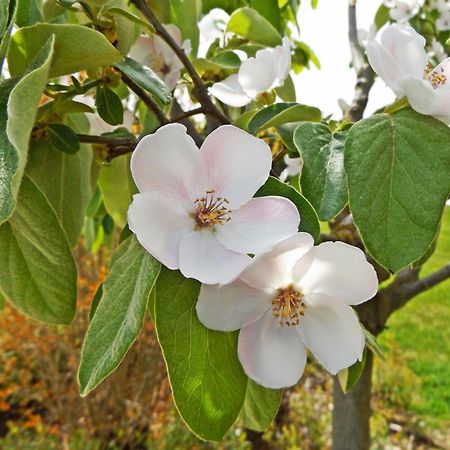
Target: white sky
(325, 31)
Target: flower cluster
(403, 10)
(400, 59)
(195, 212)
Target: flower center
(435, 77)
(158, 64)
(211, 210)
(288, 307)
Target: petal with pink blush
(204, 258)
(331, 330)
(339, 270)
(259, 224)
(235, 164)
(271, 355)
(231, 306)
(168, 162)
(230, 92)
(159, 225)
(273, 270)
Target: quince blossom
(267, 70)
(401, 61)
(195, 210)
(293, 298)
(403, 10)
(212, 26)
(155, 53)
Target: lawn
(421, 331)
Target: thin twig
(200, 91)
(364, 73)
(117, 146)
(149, 102)
(186, 114)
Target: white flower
(153, 52)
(293, 167)
(290, 299)
(403, 10)
(195, 211)
(437, 50)
(401, 61)
(443, 23)
(212, 27)
(267, 70)
(440, 5)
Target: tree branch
(177, 114)
(200, 92)
(149, 102)
(407, 285)
(116, 145)
(186, 114)
(364, 73)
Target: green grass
(422, 331)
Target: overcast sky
(325, 31)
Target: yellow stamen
(211, 210)
(288, 306)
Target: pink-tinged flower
(153, 52)
(401, 61)
(293, 298)
(195, 210)
(267, 70)
(403, 10)
(443, 22)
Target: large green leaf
(309, 221)
(184, 14)
(65, 181)
(117, 187)
(269, 10)
(144, 77)
(38, 272)
(28, 12)
(76, 48)
(8, 9)
(207, 380)
(119, 317)
(260, 406)
(248, 23)
(281, 113)
(398, 172)
(323, 176)
(19, 99)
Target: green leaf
(323, 176)
(144, 77)
(8, 10)
(117, 187)
(350, 376)
(269, 10)
(119, 317)
(281, 113)
(249, 24)
(64, 179)
(381, 16)
(207, 380)
(131, 17)
(109, 105)
(260, 406)
(28, 13)
(62, 138)
(309, 221)
(286, 132)
(95, 301)
(287, 91)
(398, 172)
(38, 272)
(76, 48)
(19, 99)
(184, 14)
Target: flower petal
(407, 48)
(231, 306)
(331, 330)
(159, 225)
(204, 258)
(259, 73)
(339, 270)
(282, 60)
(235, 164)
(259, 224)
(274, 268)
(142, 50)
(230, 92)
(271, 355)
(167, 161)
